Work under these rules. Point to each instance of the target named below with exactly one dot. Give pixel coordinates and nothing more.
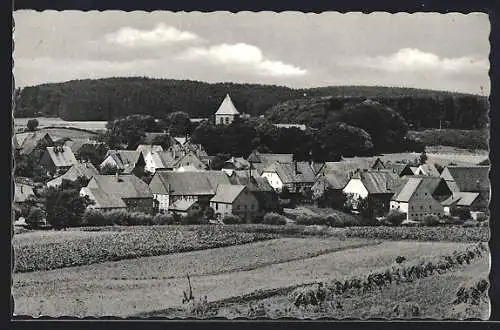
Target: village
(183, 181)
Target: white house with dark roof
(126, 161)
(296, 176)
(227, 112)
(234, 199)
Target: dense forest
(110, 98)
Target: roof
(398, 168)
(181, 205)
(287, 173)
(81, 169)
(187, 183)
(429, 169)
(227, 193)
(180, 140)
(378, 182)
(255, 183)
(299, 126)
(237, 163)
(75, 144)
(267, 158)
(22, 192)
(29, 141)
(163, 159)
(227, 107)
(468, 178)
(188, 168)
(410, 184)
(102, 199)
(62, 156)
(146, 148)
(461, 199)
(125, 159)
(127, 186)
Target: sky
(424, 50)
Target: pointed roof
(227, 193)
(81, 169)
(227, 107)
(62, 156)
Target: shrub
(93, 217)
(35, 217)
(232, 220)
(163, 219)
(139, 219)
(431, 220)
(482, 217)
(17, 212)
(274, 219)
(118, 217)
(395, 217)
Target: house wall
(47, 163)
(224, 119)
(422, 204)
(163, 201)
(274, 180)
(356, 189)
(379, 204)
(150, 165)
(246, 206)
(108, 161)
(400, 206)
(145, 205)
(222, 209)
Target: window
(216, 206)
(221, 120)
(227, 120)
(421, 207)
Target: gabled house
(22, 192)
(471, 179)
(170, 186)
(266, 196)
(57, 160)
(183, 206)
(401, 169)
(126, 161)
(259, 161)
(236, 163)
(227, 112)
(134, 192)
(234, 199)
(419, 196)
(427, 170)
(29, 141)
(190, 159)
(467, 200)
(159, 160)
(103, 201)
(144, 149)
(376, 186)
(86, 170)
(298, 177)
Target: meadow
(224, 262)
(20, 123)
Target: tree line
(111, 98)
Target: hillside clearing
(58, 122)
(102, 295)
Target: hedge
(274, 219)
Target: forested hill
(109, 98)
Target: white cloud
(242, 56)
(160, 35)
(412, 60)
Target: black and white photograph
(251, 165)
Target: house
(297, 177)
(376, 186)
(419, 196)
(169, 186)
(190, 159)
(234, 199)
(467, 200)
(134, 192)
(472, 179)
(86, 170)
(160, 160)
(236, 163)
(266, 196)
(259, 161)
(57, 160)
(302, 127)
(22, 192)
(27, 142)
(103, 201)
(427, 170)
(401, 169)
(76, 144)
(227, 112)
(144, 149)
(126, 161)
(183, 206)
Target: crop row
(317, 293)
(120, 245)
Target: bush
(140, 219)
(462, 212)
(449, 220)
(431, 220)
(118, 217)
(482, 217)
(163, 219)
(274, 219)
(93, 217)
(35, 217)
(232, 220)
(395, 217)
